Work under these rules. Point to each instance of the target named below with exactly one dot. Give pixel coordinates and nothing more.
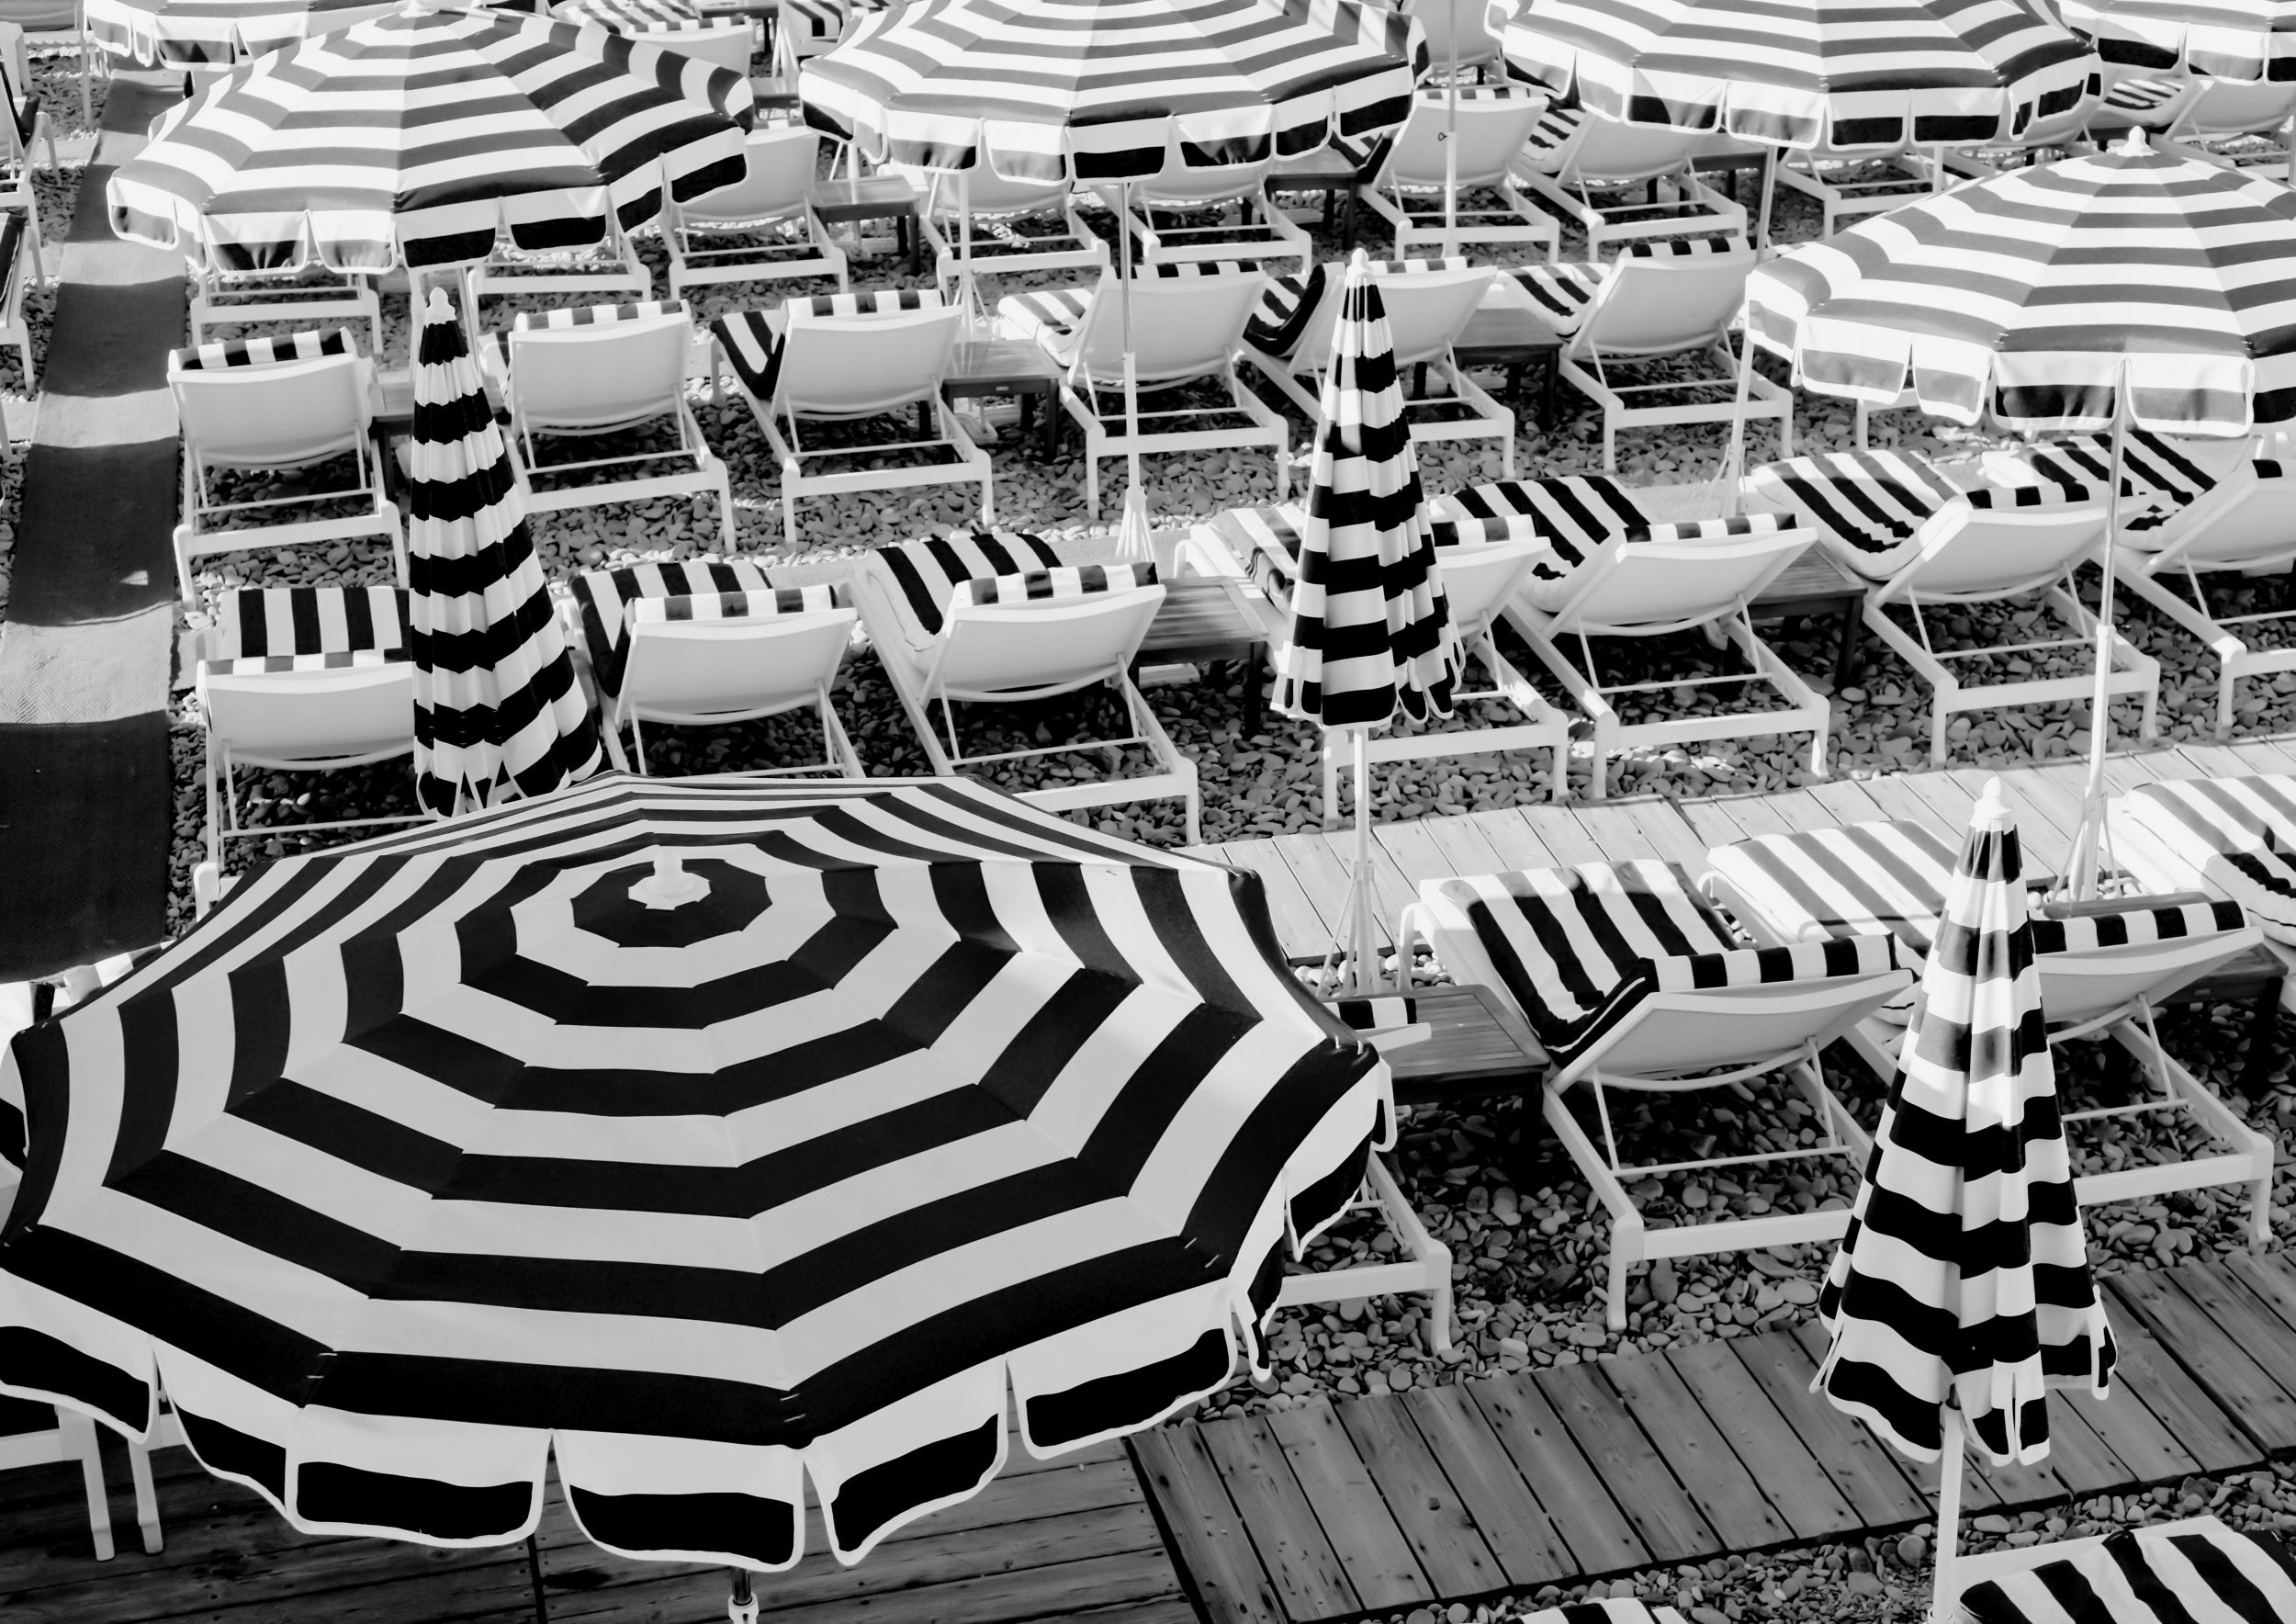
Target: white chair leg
(79, 1437)
(147, 1498)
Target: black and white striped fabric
(263, 622)
(817, 599)
(603, 598)
(1106, 90)
(726, 1142)
(1288, 308)
(272, 665)
(643, 16)
(1561, 295)
(2029, 298)
(567, 318)
(2221, 39)
(1870, 506)
(2237, 834)
(496, 706)
(751, 340)
(1872, 74)
(1580, 949)
(2149, 1576)
(154, 33)
(1616, 1609)
(311, 345)
(1064, 584)
(1369, 634)
(539, 128)
(2151, 467)
(1964, 1273)
(927, 573)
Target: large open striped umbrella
(414, 138)
(1370, 635)
(1962, 1291)
(167, 32)
(2244, 39)
(716, 1138)
(496, 706)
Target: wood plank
(1464, 846)
(1668, 833)
(1562, 833)
(2249, 1398)
(1611, 826)
(2272, 1277)
(1714, 826)
(1763, 1438)
(1845, 800)
(1512, 1521)
(1323, 875)
(2016, 1484)
(1411, 851)
(1887, 1488)
(1450, 1550)
(1575, 1495)
(1695, 1449)
(1078, 1590)
(1206, 1535)
(1665, 1517)
(2084, 1462)
(1300, 929)
(2194, 1420)
(1393, 894)
(2147, 1448)
(1292, 1548)
(1756, 815)
(1372, 1550)
(1512, 839)
(2263, 1334)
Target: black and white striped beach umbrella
(1878, 75)
(724, 1141)
(165, 32)
(496, 706)
(2245, 39)
(412, 139)
(1964, 1274)
(1097, 90)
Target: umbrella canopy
(714, 1137)
(412, 139)
(642, 16)
(156, 32)
(2224, 39)
(1098, 90)
(1879, 74)
(1965, 1272)
(496, 706)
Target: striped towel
(1551, 138)
(2140, 96)
(818, 599)
(928, 572)
(1580, 516)
(1375, 1014)
(1870, 505)
(1620, 1609)
(340, 660)
(2144, 1576)
(2237, 834)
(604, 597)
(1287, 306)
(752, 346)
(596, 315)
(879, 302)
(2151, 465)
(1561, 295)
(1053, 317)
(257, 623)
(1065, 583)
(308, 345)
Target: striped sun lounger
(1869, 506)
(605, 597)
(2141, 1576)
(2235, 836)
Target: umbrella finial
(669, 886)
(1992, 806)
(438, 308)
(2134, 143)
(1358, 263)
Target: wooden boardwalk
(1447, 1494)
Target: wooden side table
(1815, 584)
(1518, 341)
(875, 197)
(1008, 367)
(1327, 172)
(1477, 1047)
(1206, 620)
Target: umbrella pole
(2089, 843)
(1768, 194)
(741, 1603)
(1945, 1594)
(968, 293)
(1451, 153)
(1131, 370)
(1359, 879)
(1734, 454)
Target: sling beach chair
(47, 1435)
(1611, 571)
(2104, 969)
(1251, 230)
(1017, 226)
(1472, 136)
(1921, 540)
(994, 618)
(2229, 837)
(1630, 980)
(1624, 183)
(2193, 1569)
(760, 229)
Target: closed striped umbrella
(156, 32)
(1877, 75)
(496, 706)
(413, 138)
(726, 1141)
(1963, 1279)
(2245, 39)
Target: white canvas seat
(1186, 327)
(1622, 182)
(845, 357)
(272, 405)
(1609, 571)
(994, 618)
(1251, 231)
(1000, 209)
(2104, 969)
(1483, 566)
(1632, 980)
(1670, 302)
(44, 1435)
(605, 370)
(1484, 133)
(1987, 545)
(684, 651)
(743, 233)
(1428, 304)
(2229, 837)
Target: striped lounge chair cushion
(276, 622)
(1580, 948)
(1054, 317)
(1368, 155)
(2238, 834)
(1868, 506)
(605, 598)
(1556, 129)
(308, 345)
(2146, 1576)
(1621, 1609)
(880, 302)
(270, 665)
(751, 340)
(2140, 97)
(597, 315)
(1066, 583)
(927, 573)
(1280, 319)
(2151, 465)
(817, 599)
(1561, 295)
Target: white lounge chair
(846, 358)
(1483, 566)
(271, 405)
(301, 295)
(1611, 572)
(2059, 121)
(996, 618)
(1251, 230)
(2140, 99)
(1187, 322)
(2229, 837)
(2230, 114)
(1429, 303)
(609, 268)
(1630, 980)
(2103, 969)
(15, 328)
(1658, 301)
(999, 209)
(700, 644)
(44, 1434)
(1484, 134)
(1984, 544)
(1847, 185)
(1458, 33)
(1624, 183)
(2193, 1567)
(53, 25)
(606, 369)
(739, 233)
(25, 128)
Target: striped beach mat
(260, 622)
(2208, 1575)
(927, 573)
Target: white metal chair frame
(688, 228)
(1589, 357)
(1903, 177)
(1682, 205)
(1425, 1265)
(833, 627)
(610, 268)
(1408, 191)
(72, 1438)
(1006, 253)
(306, 296)
(1261, 233)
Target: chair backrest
(1659, 299)
(982, 192)
(1427, 309)
(1179, 186)
(2243, 523)
(1651, 586)
(781, 159)
(698, 668)
(598, 374)
(1492, 127)
(1479, 578)
(287, 717)
(992, 649)
(2235, 107)
(1183, 325)
(2095, 976)
(1971, 554)
(1456, 32)
(1607, 152)
(276, 415)
(854, 364)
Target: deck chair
(1849, 185)
(1657, 302)
(1457, 34)
(1429, 303)
(845, 357)
(1611, 572)
(1251, 231)
(25, 128)
(45, 1435)
(273, 405)
(999, 209)
(994, 618)
(2229, 837)
(2103, 969)
(300, 295)
(605, 370)
(1631, 979)
(699, 645)
(53, 25)
(2134, 99)
(2059, 121)
(1622, 182)
(1483, 566)
(609, 268)
(1494, 125)
(2230, 115)
(1188, 326)
(2195, 1568)
(296, 680)
(759, 229)
(15, 328)
(1919, 540)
